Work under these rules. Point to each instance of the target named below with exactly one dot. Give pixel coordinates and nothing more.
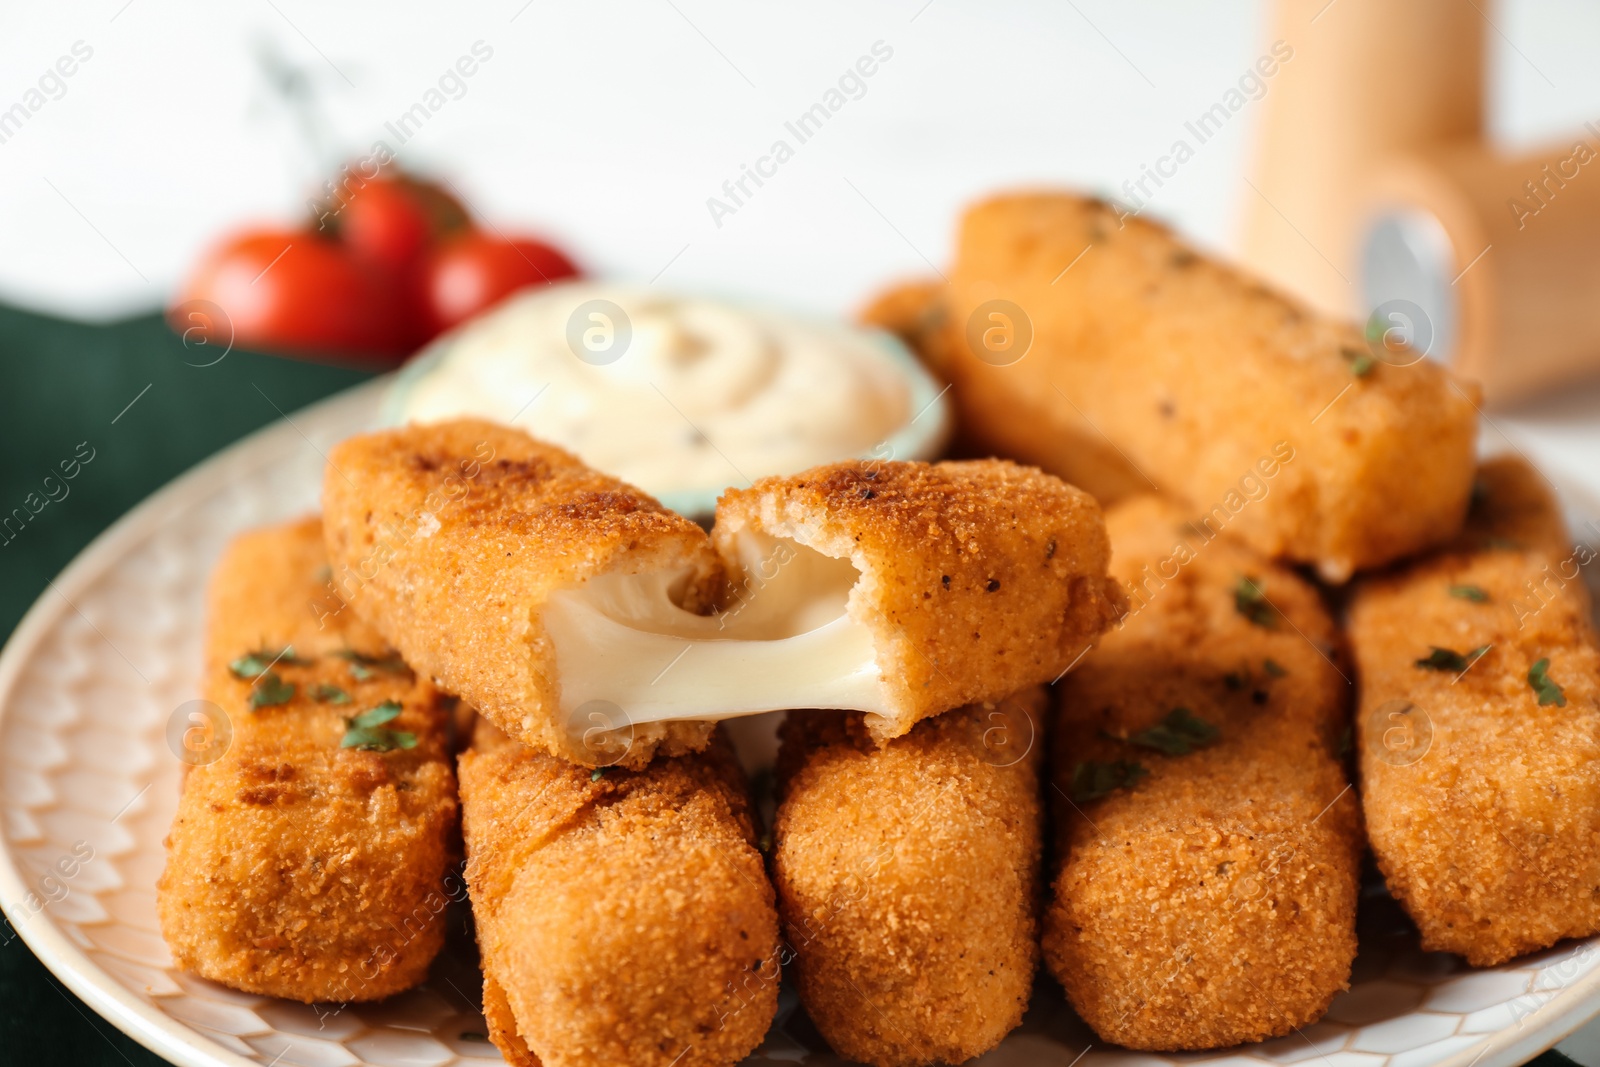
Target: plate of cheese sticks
(1221, 698)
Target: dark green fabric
(62, 384)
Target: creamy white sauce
(702, 395)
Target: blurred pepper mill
(1375, 193)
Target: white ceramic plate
(88, 784)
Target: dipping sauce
(672, 393)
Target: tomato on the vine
(475, 270)
(292, 289)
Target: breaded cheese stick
(452, 538)
(1208, 841)
(1143, 352)
(1479, 729)
(623, 916)
(907, 878)
(918, 313)
(565, 605)
(308, 861)
(935, 585)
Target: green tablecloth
(62, 383)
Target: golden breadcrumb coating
(623, 916)
(1212, 901)
(1482, 799)
(1145, 353)
(908, 878)
(297, 868)
(451, 536)
(977, 578)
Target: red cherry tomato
(297, 291)
(475, 270)
(390, 221)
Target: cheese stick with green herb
(1208, 840)
(308, 856)
(1108, 351)
(1479, 728)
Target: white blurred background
(608, 126)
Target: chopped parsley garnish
(270, 691)
(363, 666)
(1251, 601)
(1475, 593)
(1178, 734)
(1093, 780)
(253, 665)
(1361, 363)
(1376, 328)
(597, 774)
(764, 842)
(329, 694)
(366, 731)
(1445, 659)
(1549, 692)
(1273, 668)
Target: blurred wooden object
(1516, 306)
(1368, 79)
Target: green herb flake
(1445, 659)
(1251, 601)
(1361, 363)
(368, 732)
(1375, 330)
(1092, 780)
(764, 843)
(253, 665)
(1549, 692)
(270, 691)
(1274, 669)
(329, 694)
(364, 666)
(1475, 593)
(1178, 734)
(597, 774)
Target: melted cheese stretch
(625, 650)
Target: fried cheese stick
(907, 878)
(1479, 729)
(1124, 348)
(297, 867)
(451, 537)
(1207, 839)
(623, 916)
(973, 579)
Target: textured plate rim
(186, 1046)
